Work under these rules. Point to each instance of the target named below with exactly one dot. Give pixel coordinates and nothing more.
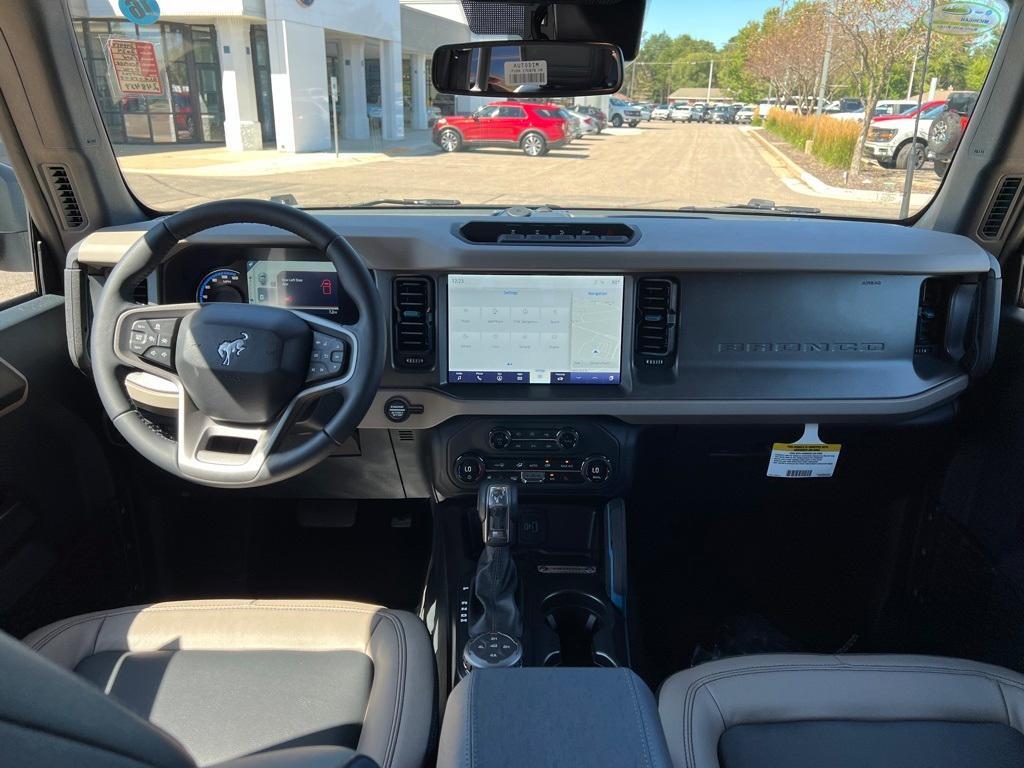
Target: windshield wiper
(412, 202)
(758, 204)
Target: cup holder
(576, 617)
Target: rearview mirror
(544, 68)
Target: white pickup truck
(621, 112)
(890, 142)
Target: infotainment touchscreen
(534, 329)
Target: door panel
(62, 547)
(508, 123)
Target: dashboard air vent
(1002, 205)
(413, 322)
(548, 233)
(59, 179)
(657, 310)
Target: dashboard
(530, 350)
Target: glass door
(261, 75)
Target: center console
(543, 717)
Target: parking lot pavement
(656, 165)
(14, 284)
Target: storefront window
(189, 106)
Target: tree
(980, 61)
(881, 33)
(666, 63)
(733, 72)
(787, 52)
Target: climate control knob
(567, 438)
(597, 469)
(499, 439)
(469, 468)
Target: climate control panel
(546, 439)
(554, 456)
(471, 468)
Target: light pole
(824, 79)
(908, 181)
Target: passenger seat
(857, 711)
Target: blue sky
(716, 21)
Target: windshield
(211, 103)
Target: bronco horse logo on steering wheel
(227, 349)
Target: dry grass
(836, 139)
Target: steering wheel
(244, 373)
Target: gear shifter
(497, 624)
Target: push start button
(398, 409)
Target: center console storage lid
(552, 717)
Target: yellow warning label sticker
(808, 457)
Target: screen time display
(309, 286)
(534, 329)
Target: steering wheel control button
(161, 356)
(597, 469)
(469, 468)
(153, 340)
(327, 357)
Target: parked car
(845, 107)
(893, 145)
(534, 128)
(746, 114)
(573, 128)
(884, 108)
(661, 112)
(680, 113)
(621, 112)
(587, 124)
(645, 112)
(599, 116)
(721, 113)
(948, 128)
(699, 113)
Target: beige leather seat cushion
(396, 728)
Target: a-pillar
(298, 67)
(391, 89)
(418, 74)
(355, 123)
(238, 86)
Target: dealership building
(249, 74)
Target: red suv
(534, 128)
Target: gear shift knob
(497, 505)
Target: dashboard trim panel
(438, 408)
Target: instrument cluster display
(277, 277)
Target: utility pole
(908, 182)
(913, 71)
(824, 78)
(711, 74)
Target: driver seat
(286, 682)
